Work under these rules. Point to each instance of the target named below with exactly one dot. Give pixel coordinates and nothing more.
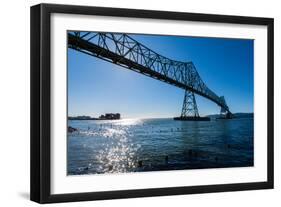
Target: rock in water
(71, 129)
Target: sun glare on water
(128, 121)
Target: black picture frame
(41, 99)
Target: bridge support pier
(189, 109)
(225, 114)
(189, 106)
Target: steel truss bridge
(123, 50)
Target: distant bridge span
(123, 50)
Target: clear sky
(96, 87)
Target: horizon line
(156, 117)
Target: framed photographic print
(133, 103)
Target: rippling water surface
(136, 145)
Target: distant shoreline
(107, 116)
(87, 118)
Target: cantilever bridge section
(123, 50)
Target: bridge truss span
(123, 50)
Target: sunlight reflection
(119, 155)
(128, 122)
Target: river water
(137, 145)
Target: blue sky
(96, 87)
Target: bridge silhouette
(123, 50)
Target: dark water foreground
(133, 145)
